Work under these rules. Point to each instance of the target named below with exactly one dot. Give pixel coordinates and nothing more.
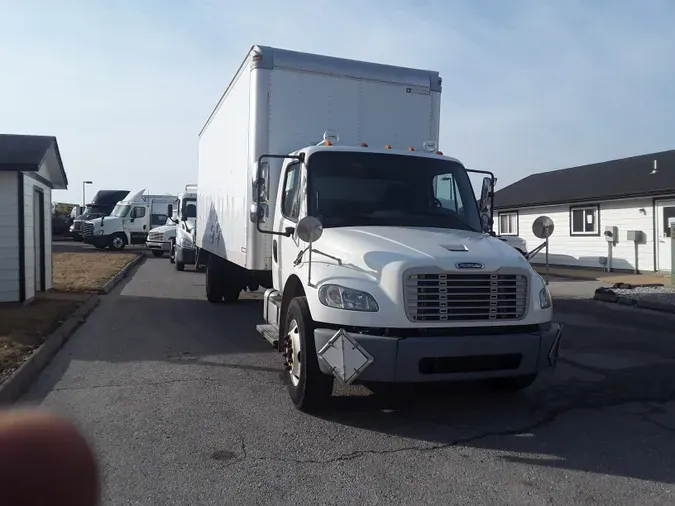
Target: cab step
(270, 333)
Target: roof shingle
(23, 152)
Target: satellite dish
(543, 227)
(310, 229)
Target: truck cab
(384, 270)
(101, 205)
(129, 222)
(183, 249)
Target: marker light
(429, 146)
(364, 144)
(439, 153)
(410, 148)
(329, 136)
(387, 146)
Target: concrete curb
(608, 295)
(14, 386)
(105, 289)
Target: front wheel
(172, 252)
(117, 242)
(308, 387)
(157, 253)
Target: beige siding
(9, 238)
(585, 251)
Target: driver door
(137, 225)
(285, 249)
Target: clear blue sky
(529, 85)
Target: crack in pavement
(538, 424)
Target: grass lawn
(87, 272)
(24, 328)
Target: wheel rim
(294, 349)
(117, 242)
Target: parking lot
(185, 404)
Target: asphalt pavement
(185, 405)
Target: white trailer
(320, 179)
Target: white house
(30, 168)
(635, 194)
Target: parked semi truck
(101, 205)
(378, 262)
(183, 250)
(129, 222)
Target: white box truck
(320, 179)
(183, 248)
(129, 222)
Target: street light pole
(84, 198)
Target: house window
(508, 223)
(585, 220)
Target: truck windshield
(189, 208)
(121, 210)
(372, 189)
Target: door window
(668, 214)
(290, 200)
(138, 212)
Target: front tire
(117, 242)
(157, 254)
(309, 388)
(172, 252)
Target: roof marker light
(331, 136)
(364, 144)
(429, 146)
(410, 148)
(387, 146)
(439, 153)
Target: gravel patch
(663, 294)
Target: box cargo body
(280, 101)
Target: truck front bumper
(159, 246)
(185, 255)
(100, 241)
(452, 358)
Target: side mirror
(310, 229)
(259, 213)
(486, 222)
(260, 186)
(485, 201)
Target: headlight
(545, 300)
(184, 242)
(339, 297)
(99, 232)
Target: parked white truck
(161, 239)
(183, 248)
(129, 222)
(376, 257)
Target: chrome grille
(456, 297)
(87, 229)
(156, 237)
